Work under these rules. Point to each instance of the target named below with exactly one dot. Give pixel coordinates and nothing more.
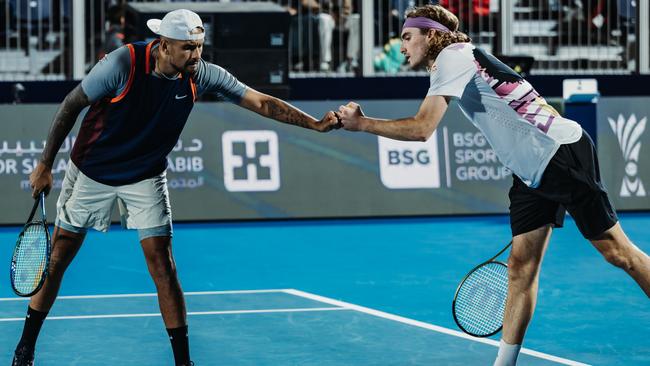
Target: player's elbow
(423, 134)
(424, 127)
(256, 101)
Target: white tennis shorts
(85, 203)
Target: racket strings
(481, 300)
(484, 315)
(30, 258)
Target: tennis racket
(31, 258)
(480, 299)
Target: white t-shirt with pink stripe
(522, 128)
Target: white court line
(147, 315)
(424, 325)
(340, 306)
(115, 296)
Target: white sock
(507, 355)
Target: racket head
(480, 299)
(31, 258)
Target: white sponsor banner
(251, 161)
(408, 164)
(628, 132)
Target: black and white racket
(31, 258)
(480, 299)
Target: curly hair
(444, 17)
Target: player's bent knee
(521, 269)
(56, 267)
(162, 269)
(521, 263)
(164, 277)
(618, 258)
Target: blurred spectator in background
(114, 30)
(303, 31)
(313, 26)
(589, 20)
(627, 28)
(18, 91)
(391, 60)
(604, 18)
(338, 15)
(467, 9)
(474, 15)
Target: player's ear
(164, 45)
(430, 33)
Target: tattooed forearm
(283, 112)
(63, 121)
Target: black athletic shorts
(571, 182)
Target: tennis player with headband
(554, 162)
(141, 96)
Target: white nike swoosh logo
(177, 97)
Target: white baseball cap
(178, 24)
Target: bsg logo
(407, 164)
(408, 157)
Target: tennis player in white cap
(140, 97)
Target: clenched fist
(351, 116)
(329, 122)
(41, 179)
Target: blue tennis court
(354, 292)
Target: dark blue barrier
(359, 88)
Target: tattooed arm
(64, 119)
(282, 111)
